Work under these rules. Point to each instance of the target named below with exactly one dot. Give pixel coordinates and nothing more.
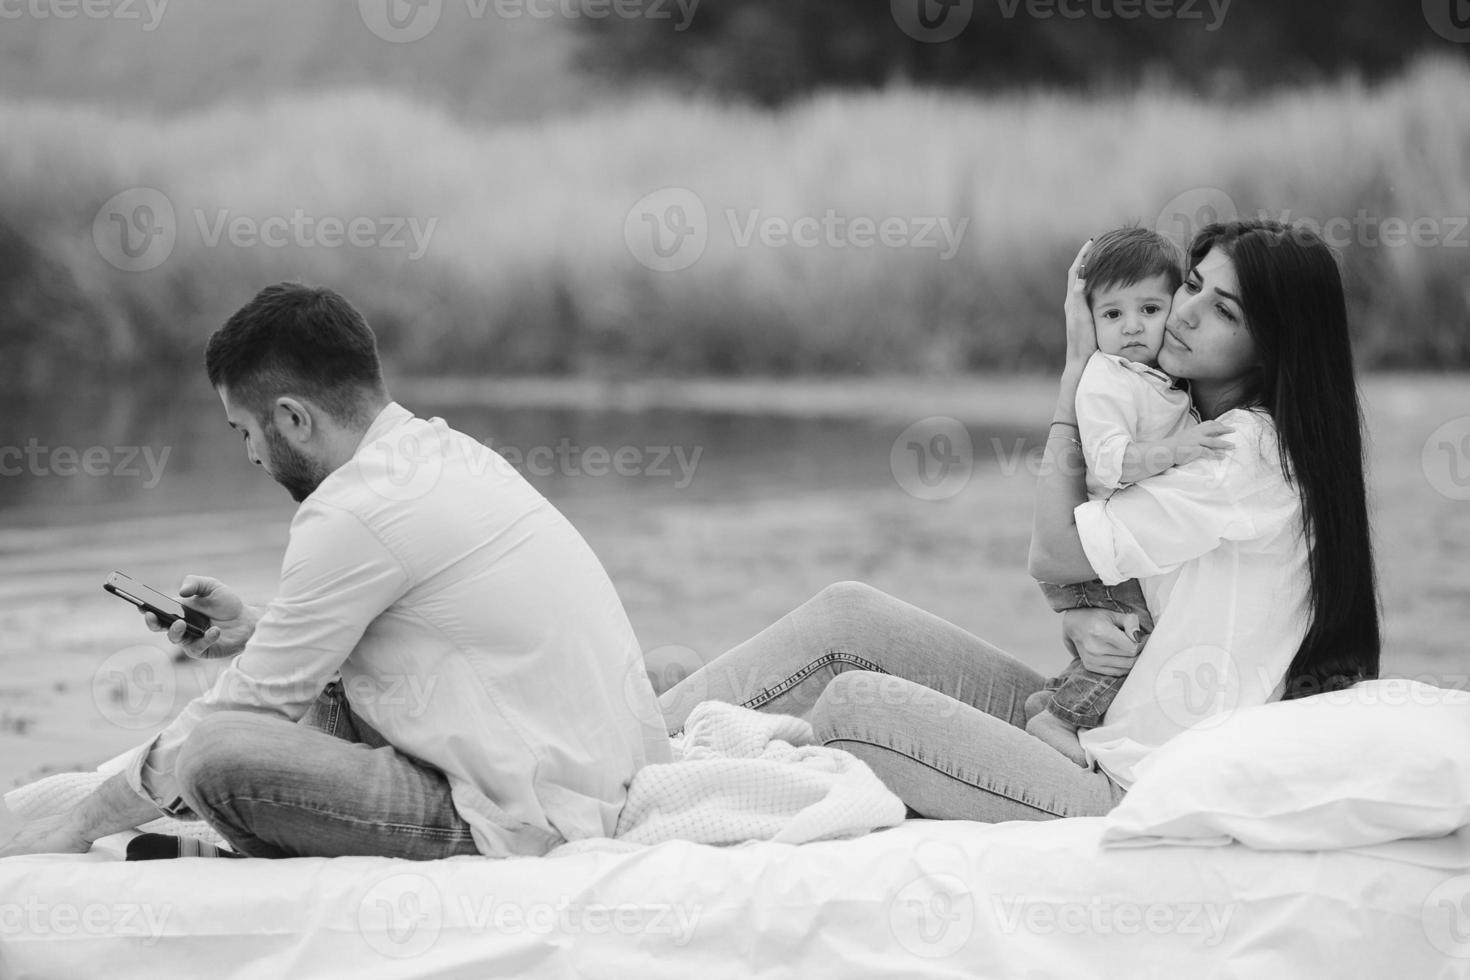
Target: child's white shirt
(1119, 402)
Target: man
(468, 678)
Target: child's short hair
(1125, 256)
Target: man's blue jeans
(327, 786)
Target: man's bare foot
(1060, 735)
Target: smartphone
(166, 608)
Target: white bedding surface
(927, 898)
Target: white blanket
(743, 775)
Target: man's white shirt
(472, 627)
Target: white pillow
(1384, 760)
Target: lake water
(119, 454)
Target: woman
(1257, 566)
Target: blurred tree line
(770, 51)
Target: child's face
(1130, 319)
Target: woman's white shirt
(1217, 546)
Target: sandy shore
(698, 573)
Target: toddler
(1134, 421)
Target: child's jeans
(1079, 695)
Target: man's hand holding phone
(232, 622)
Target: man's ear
(293, 418)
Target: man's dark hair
(298, 340)
(1125, 256)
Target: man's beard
(291, 468)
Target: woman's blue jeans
(936, 712)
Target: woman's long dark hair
(1291, 291)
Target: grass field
(528, 230)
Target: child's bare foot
(1060, 735)
(1037, 703)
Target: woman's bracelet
(1072, 439)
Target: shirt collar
(390, 418)
(1138, 368)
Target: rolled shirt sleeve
(1156, 525)
(336, 578)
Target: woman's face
(1205, 338)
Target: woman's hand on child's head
(1081, 331)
